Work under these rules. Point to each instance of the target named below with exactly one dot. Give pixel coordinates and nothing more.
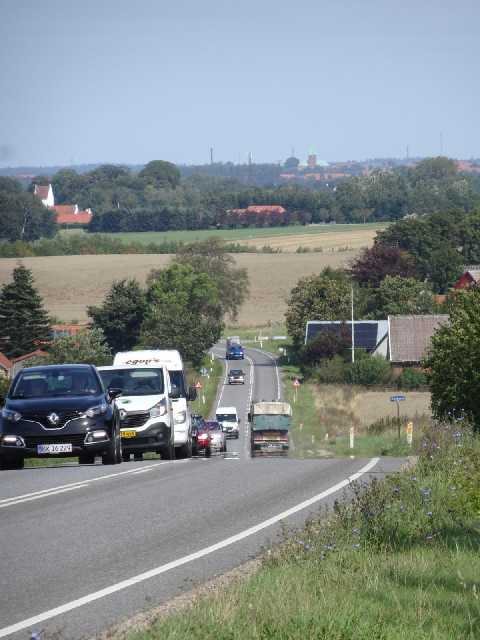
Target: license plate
(128, 433)
(54, 448)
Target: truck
(269, 428)
(234, 349)
(172, 361)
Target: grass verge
(397, 559)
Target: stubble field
(69, 284)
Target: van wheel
(208, 452)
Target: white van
(146, 408)
(172, 360)
(229, 417)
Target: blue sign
(397, 398)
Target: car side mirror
(114, 392)
(2, 398)
(175, 393)
(192, 393)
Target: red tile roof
(37, 352)
(42, 191)
(69, 214)
(5, 363)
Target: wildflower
(400, 508)
(429, 513)
(414, 479)
(307, 546)
(396, 490)
(454, 488)
(428, 537)
(357, 545)
(426, 500)
(355, 531)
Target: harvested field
(326, 241)
(69, 284)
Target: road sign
(296, 383)
(203, 371)
(199, 385)
(397, 398)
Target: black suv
(59, 411)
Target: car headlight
(159, 409)
(93, 412)
(13, 416)
(179, 417)
(203, 436)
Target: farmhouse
(470, 278)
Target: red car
(204, 439)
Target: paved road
(84, 547)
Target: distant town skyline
(125, 83)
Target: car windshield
(226, 417)
(236, 372)
(134, 382)
(54, 382)
(213, 424)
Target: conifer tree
(24, 323)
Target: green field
(235, 235)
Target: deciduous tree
(85, 347)
(121, 315)
(453, 360)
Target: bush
(331, 371)
(411, 378)
(369, 371)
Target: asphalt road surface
(84, 547)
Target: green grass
(398, 559)
(233, 235)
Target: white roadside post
(409, 432)
(351, 437)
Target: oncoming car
(59, 411)
(236, 376)
(218, 437)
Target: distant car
(204, 440)
(236, 376)
(59, 411)
(218, 436)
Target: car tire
(208, 452)
(195, 449)
(86, 458)
(168, 453)
(110, 457)
(11, 464)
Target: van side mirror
(192, 393)
(174, 393)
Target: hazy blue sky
(116, 81)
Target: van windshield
(226, 417)
(134, 382)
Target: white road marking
(45, 493)
(131, 582)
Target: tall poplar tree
(24, 323)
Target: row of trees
(158, 198)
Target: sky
(123, 82)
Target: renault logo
(123, 414)
(53, 418)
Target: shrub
(411, 378)
(331, 371)
(369, 371)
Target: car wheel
(10, 464)
(118, 448)
(195, 449)
(111, 456)
(86, 458)
(168, 453)
(185, 451)
(208, 452)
